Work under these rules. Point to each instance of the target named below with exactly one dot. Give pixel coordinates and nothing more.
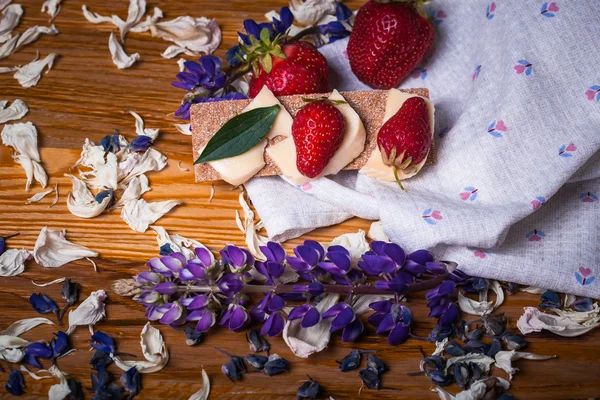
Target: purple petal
(377, 247)
(172, 263)
(157, 266)
(239, 318)
(166, 288)
(197, 270)
(376, 318)
(386, 324)
(172, 315)
(200, 301)
(204, 256)
(298, 264)
(277, 251)
(449, 316)
(413, 267)
(381, 285)
(298, 312)
(398, 335)
(267, 325)
(335, 310)
(276, 303)
(342, 319)
(421, 256)
(206, 321)
(311, 318)
(275, 269)
(186, 275)
(341, 259)
(435, 268)
(195, 315)
(395, 252)
(147, 277)
(352, 331)
(379, 264)
(382, 306)
(277, 325)
(235, 255)
(308, 254)
(331, 268)
(180, 257)
(317, 246)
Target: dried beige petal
(504, 360)
(190, 35)
(55, 197)
(119, 57)
(355, 243)
(137, 9)
(52, 7)
(181, 63)
(12, 262)
(32, 34)
(4, 3)
(60, 390)
(150, 20)
(532, 290)
(187, 169)
(250, 230)
(304, 342)
(52, 250)
(184, 128)
(135, 189)
(5, 70)
(482, 306)
(139, 127)
(90, 311)
(533, 320)
(178, 243)
(154, 350)
(38, 196)
(30, 74)
(203, 393)
(9, 342)
(10, 19)
(23, 138)
(93, 17)
(135, 164)
(82, 203)
(59, 280)
(477, 390)
(482, 360)
(311, 12)
(16, 110)
(9, 47)
(376, 232)
(140, 214)
(21, 326)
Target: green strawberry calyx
(260, 52)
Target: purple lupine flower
(42, 303)
(202, 74)
(168, 266)
(140, 143)
(148, 297)
(398, 283)
(286, 19)
(383, 258)
(307, 259)
(274, 324)
(237, 258)
(392, 318)
(175, 314)
(206, 319)
(339, 262)
(36, 350)
(103, 342)
(147, 278)
(309, 314)
(236, 318)
(253, 29)
(168, 288)
(440, 303)
(230, 284)
(111, 143)
(59, 344)
(234, 56)
(259, 311)
(344, 319)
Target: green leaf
(277, 52)
(267, 63)
(265, 35)
(239, 134)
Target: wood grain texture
(86, 96)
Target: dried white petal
(9, 342)
(533, 320)
(310, 12)
(39, 196)
(212, 193)
(137, 9)
(480, 359)
(139, 127)
(10, 19)
(190, 35)
(5, 70)
(376, 232)
(203, 393)
(119, 57)
(52, 7)
(90, 311)
(4, 3)
(140, 214)
(440, 347)
(13, 355)
(17, 110)
(53, 250)
(187, 169)
(95, 18)
(476, 391)
(178, 243)
(504, 360)
(61, 389)
(37, 375)
(135, 189)
(154, 350)
(181, 63)
(184, 128)
(30, 74)
(90, 155)
(59, 280)
(39, 174)
(12, 262)
(55, 197)
(32, 34)
(482, 306)
(532, 290)
(355, 243)
(135, 164)
(304, 342)
(21, 326)
(579, 316)
(82, 203)
(569, 299)
(150, 20)
(23, 138)
(248, 227)
(9, 47)
(93, 263)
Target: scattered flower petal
(532, 290)
(377, 233)
(82, 203)
(154, 350)
(139, 127)
(21, 326)
(119, 57)
(477, 391)
(16, 110)
(52, 7)
(59, 280)
(93, 17)
(355, 243)
(23, 138)
(10, 19)
(178, 243)
(140, 214)
(32, 34)
(482, 360)
(203, 393)
(534, 320)
(150, 20)
(39, 196)
(135, 164)
(504, 360)
(33, 170)
(482, 306)
(30, 74)
(12, 262)
(190, 35)
(137, 9)
(52, 250)
(90, 311)
(311, 12)
(135, 189)
(184, 128)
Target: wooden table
(86, 96)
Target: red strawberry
(303, 71)
(405, 139)
(318, 130)
(388, 40)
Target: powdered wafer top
(208, 118)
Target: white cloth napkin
(514, 192)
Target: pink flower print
(497, 128)
(437, 17)
(549, 9)
(489, 11)
(584, 276)
(588, 197)
(419, 72)
(535, 235)
(345, 53)
(537, 202)
(480, 254)
(593, 93)
(306, 187)
(470, 193)
(566, 149)
(476, 72)
(523, 66)
(431, 216)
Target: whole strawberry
(405, 139)
(318, 131)
(389, 38)
(301, 70)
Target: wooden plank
(86, 96)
